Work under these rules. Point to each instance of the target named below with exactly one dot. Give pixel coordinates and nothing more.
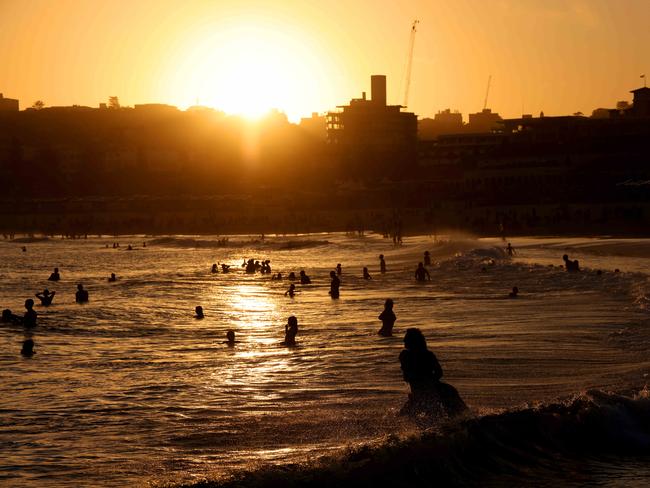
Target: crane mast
(487, 92)
(409, 64)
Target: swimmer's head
(515, 290)
(199, 310)
(29, 304)
(332, 274)
(28, 347)
(230, 335)
(381, 256)
(565, 257)
(80, 287)
(6, 315)
(56, 270)
(293, 321)
(388, 303)
(414, 340)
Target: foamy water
(130, 388)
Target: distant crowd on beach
(420, 367)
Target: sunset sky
(307, 56)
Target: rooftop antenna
(409, 65)
(487, 92)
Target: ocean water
(131, 390)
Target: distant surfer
(421, 273)
(46, 297)
(290, 331)
(421, 370)
(388, 319)
(334, 285)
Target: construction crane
(409, 61)
(487, 92)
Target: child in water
(290, 331)
(366, 274)
(388, 319)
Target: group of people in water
(420, 367)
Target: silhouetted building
(444, 122)
(316, 125)
(372, 139)
(8, 104)
(484, 121)
(641, 102)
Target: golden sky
(559, 56)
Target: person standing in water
(366, 274)
(334, 285)
(291, 291)
(421, 273)
(388, 319)
(28, 348)
(427, 258)
(199, 312)
(29, 319)
(82, 295)
(304, 279)
(55, 276)
(230, 338)
(290, 331)
(422, 371)
(339, 270)
(46, 297)
(510, 250)
(382, 264)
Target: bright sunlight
(249, 70)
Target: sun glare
(248, 71)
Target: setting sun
(247, 70)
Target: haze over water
(130, 388)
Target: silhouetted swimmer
(129, 248)
(382, 264)
(46, 297)
(334, 285)
(291, 291)
(199, 312)
(304, 279)
(339, 269)
(112, 278)
(510, 250)
(277, 276)
(569, 265)
(28, 348)
(10, 318)
(144, 244)
(290, 331)
(292, 276)
(225, 268)
(366, 274)
(55, 276)
(24, 249)
(388, 319)
(421, 273)
(514, 292)
(214, 268)
(29, 319)
(230, 338)
(422, 371)
(82, 295)
(427, 258)
(617, 270)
